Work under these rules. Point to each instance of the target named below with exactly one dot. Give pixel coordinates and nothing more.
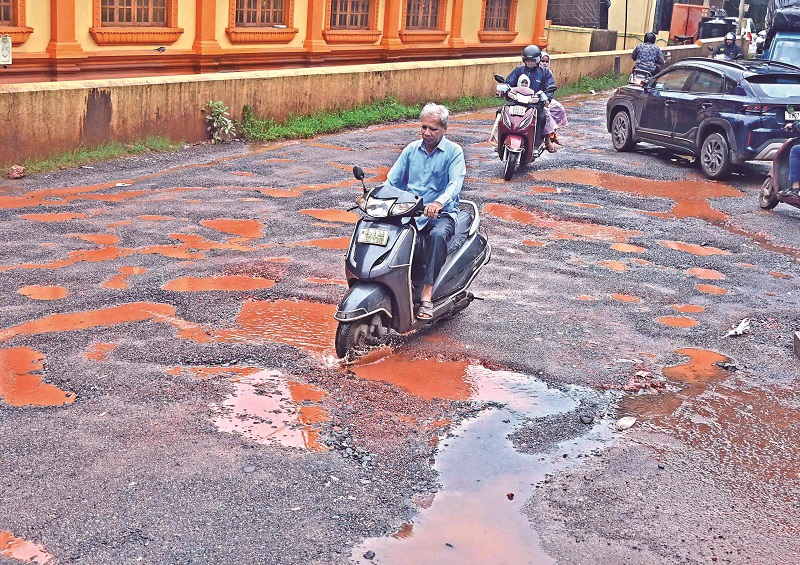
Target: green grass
(87, 155)
(386, 110)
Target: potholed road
(168, 391)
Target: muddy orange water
(701, 250)
(306, 325)
(36, 292)
(691, 196)
(332, 215)
(331, 243)
(12, 547)
(778, 275)
(62, 217)
(206, 373)
(152, 218)
(133, 312)
(587, 230)
(706, 274)
(98, 255)
(425, 378)
(120, 281)
(279, 193)
(326, 281)
(677, 321)
(613, 265)
(546, 190)
(20, 385)
(229, 283)
(243, 228)
(533, 243)
(586, 297)
(711, 289)
(99, 351)
(688, 308)
(625, 297)
(628, 248)
(98, 238)
(264, 407)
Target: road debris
(625, 422)
(16, 172)
(742, 328)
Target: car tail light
(754, 109)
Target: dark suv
(723, 112)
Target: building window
(12, 21)
(350, 14)
(129, 22)
(497, 15)
(259, 13)
(422, 14)
(498, 21)
(152, 13)
(6, 13)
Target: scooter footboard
(364, 299)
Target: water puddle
(711, 289)
(279, 193)
(534, 243)
(21, 383)
(98, 238)
(628, 248)
(12, 547)
(586, 230)
(613, 265)
(546, 190)
(329, 243)
(155, 218)
(688, 308)
(694, 249)
(208, 373)
(477, 516)
(778, 275)
(585, 298)
(625, 297)
(677, 321)
(225, 283)
(120, 281)
(333, 215)
(249, 229)
(425, 378)
(265, 407)
(36, 292)
(705, 274)
(99, 351)
(691, 196)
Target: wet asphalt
(608, 270)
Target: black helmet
(729, 37)
(649, 37)
(532, 53)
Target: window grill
(350, 14)
(259, 13)
(497, 15)
(143, 13)
(422, 14)
(7, 12)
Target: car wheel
(715, 156)
(622, 132)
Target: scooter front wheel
(768, 198)
(351, 337)
(510, 165)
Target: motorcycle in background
(519, 135)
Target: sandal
(425, 311)
(551, 149)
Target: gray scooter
(384, 292)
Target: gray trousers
(431, 251)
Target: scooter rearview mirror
(710, 48)
(358, 172)
(499, 78)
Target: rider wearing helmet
(540, 78)
(647, 55)
(729, 49)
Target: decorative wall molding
(499, 36)
(132, 35)
(252, 34)
(422, 35)
(19, 32)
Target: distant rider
(729, 49)
(540, 79)
(647, 55)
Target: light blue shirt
(434, 177)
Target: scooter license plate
(792, 116)
(516, 111)
(373, 236)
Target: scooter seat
(463, 222)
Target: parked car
(723, 112)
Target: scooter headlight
(401, 208)
(378, 207)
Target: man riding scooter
(540, 78)
(647, 55)
(432, 168)
(728, 50)
(794, 164)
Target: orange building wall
(75, 55)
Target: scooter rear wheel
(768, 198)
